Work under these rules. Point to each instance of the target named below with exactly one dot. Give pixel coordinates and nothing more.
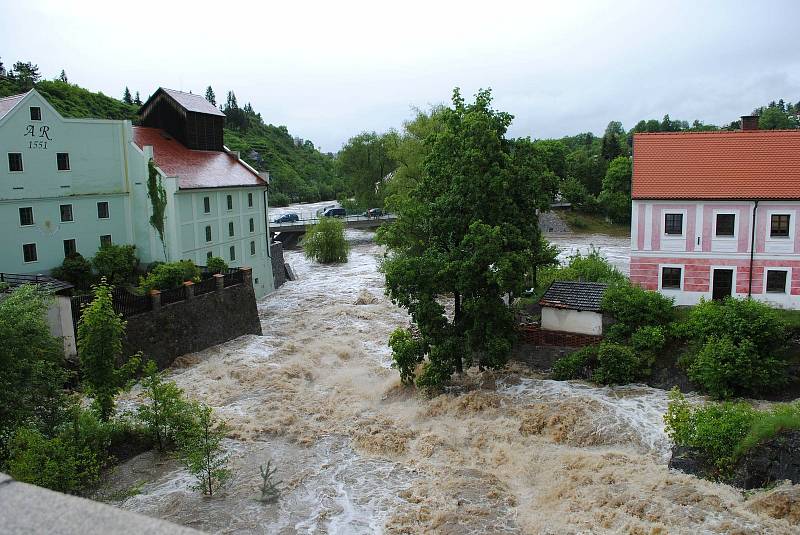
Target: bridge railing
(347, 219)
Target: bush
(716, 430)
(69, 461)
(166, 413)
(734, 343)
(726, 369)
(325, 242)
(589, 268)
(170, 275)
(201, 449)
(576, 365)
(633, 307)
(648, 339)
(76, 270)
(32, 374)
(279, 199)
(617, 364)
(407, 353)
(216, 264)
(117, 263)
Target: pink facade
(676, 248)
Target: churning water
(502, 452)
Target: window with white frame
(671, 278)
(779, 226)
(66, 213)
(673, 224)
(776, 281)
(726, 225)
(26, 216)
(29, 252)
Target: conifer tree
(126, 97)
(210, 96)
(137, 100)
(63, 77)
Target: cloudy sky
(328, 70)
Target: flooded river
(504, 452)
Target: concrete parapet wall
(26, 509)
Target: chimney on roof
(749, 122)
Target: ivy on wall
(158, 201)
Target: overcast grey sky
(328, 70)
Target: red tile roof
(195, 168)
(752, 164)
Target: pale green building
(72, 184)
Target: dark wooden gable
(195, 130)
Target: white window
(673, 224)
(105, 240)
(26, 216)
(36, 113)
(252, 248)
(66, 213)
(29, 253)
(776, 281)
(62, 161)
(102, 210)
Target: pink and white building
(716, 214)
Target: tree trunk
(457, 322)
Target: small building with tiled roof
(715, 214)
(573, 307)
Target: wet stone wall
(192, 325)
(278, 268)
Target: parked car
(288, 218)
(374, 213)
(322, 210)
(334, 212)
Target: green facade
(106, 166)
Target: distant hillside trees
(210, 96)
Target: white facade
(572, 321)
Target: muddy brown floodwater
(504, 452)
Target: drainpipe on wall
(752, 250)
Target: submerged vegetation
(325, 242)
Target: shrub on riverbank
(325, 242)
(721, 434)
(733, 347)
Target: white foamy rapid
(502, 452)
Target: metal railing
(346, 219)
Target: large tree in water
(466, 233)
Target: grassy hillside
(73, 101)
(298, 170)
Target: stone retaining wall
(170, 331)
(534, 335)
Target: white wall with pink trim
(698, 249)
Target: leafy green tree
(775, 118)
(365, 161)
(117, 263)
(634, 307)
(32, 375)
(166, 411)
(210, 96)
(201, 450)
(615, 198)
(126, 96)
(26, 73)
(325, 242)
(468, 229)
(100, 336)
(614, 142)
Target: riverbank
(358, 453)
